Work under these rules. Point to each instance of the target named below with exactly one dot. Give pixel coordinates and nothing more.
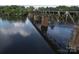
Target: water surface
(61, 33)
(21, 37)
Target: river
(23, 37)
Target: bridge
(58, 16)
(66, 17)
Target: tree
(30, 9)
(63, 8)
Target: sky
(40, 2)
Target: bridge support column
(35, 18)
(66, 13)
(44, 24)
(31, 16)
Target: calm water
(61, 34)
(22, 37)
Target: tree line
(23, 11)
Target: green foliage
(12, 10)
(30, 9)
(59, 8)
(74, 8)
(21, 10)
(63, 8)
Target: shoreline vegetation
(14, 10)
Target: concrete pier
(44, 24)
(31, 16)
(44, 21)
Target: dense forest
(23, 11)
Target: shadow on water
(52, 44)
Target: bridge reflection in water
(19, 37)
